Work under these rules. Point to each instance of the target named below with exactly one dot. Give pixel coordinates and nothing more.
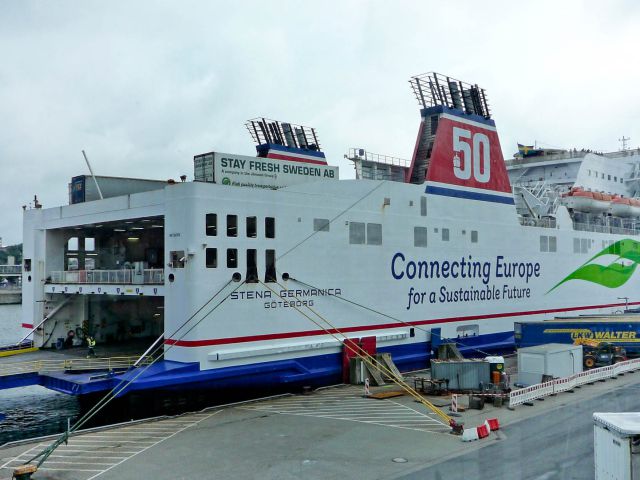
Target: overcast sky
(143, 86)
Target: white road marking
(101, 450)
(348, 404)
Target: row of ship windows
(371, 234)
(549, 243)
(595, 174)
(251, 223)
(211, 261)
(616, 246)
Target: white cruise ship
(256, 272)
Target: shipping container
(614, 436)
(554, 359)
(462, 374)
(83, 187)
(619, 330)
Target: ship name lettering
(251, 295)
(310, 292)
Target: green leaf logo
(616, 273)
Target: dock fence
(532, 392)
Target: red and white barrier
(522, 395)
(481, 431)
(493, 424)
(454, 403)
(470, 434)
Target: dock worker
(68, 342)
(91, 343)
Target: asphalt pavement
(336, 433)
(556, 445)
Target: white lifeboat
(625, 207)
(591, 202)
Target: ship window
(270, 263)
(27, 264)
(420, 236)
(320, 225)
(72, 244)
(474, 236)
(423, 206)
(445, 234)
(252, 227)
(72, 263)
(252, 266)
(608, 177)
(615, 179)
(620, 179)
(553, 244)
(468, 331)
(356, 233)
(584, 245)
(270, 227)
(544, 243)
(232, 258)
(374, 234)
(232, 225)
(89, 244)
(177, 258)
(603, 175)
(576, 245)
(211, 224)
(212, 257)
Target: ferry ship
(256, 272)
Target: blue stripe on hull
(469, 195)
(313, 371)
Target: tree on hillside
(11, 250)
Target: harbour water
(29, 411)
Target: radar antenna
(623, 141)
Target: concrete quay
(336, 433)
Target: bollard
(366, 387)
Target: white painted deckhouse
(275, 260)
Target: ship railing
(546, 222)
(72, 365)
(10, 269)
(149, 276)
(361, 154)
(586, 227)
